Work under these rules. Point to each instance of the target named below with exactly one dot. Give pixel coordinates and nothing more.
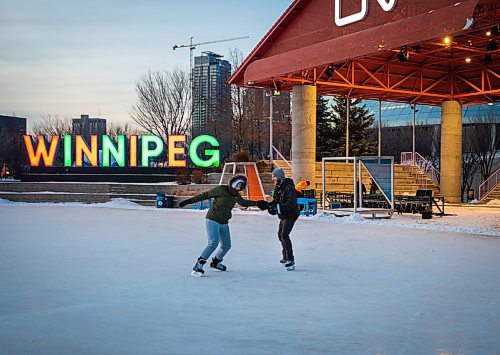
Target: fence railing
(280, 157)
(423, 164)
(489, 184)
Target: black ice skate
(290, 265)
(198, 268)
(283, 261)
(216, 264)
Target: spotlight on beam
(329, 72)
(403, 55)
(491, 46)
(447, 40)
(495, 31)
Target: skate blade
(196, 274)
(291, 268)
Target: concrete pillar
(451, 151)
(304, 133)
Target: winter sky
(71, 57)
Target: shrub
(183, 176)
(241, 157)
(198, 177)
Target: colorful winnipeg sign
(361, 15)
(150, 147)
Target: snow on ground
(115, 278)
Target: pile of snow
(114, 203)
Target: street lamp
(271, 94)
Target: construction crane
(192, 46)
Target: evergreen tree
(325, 138)
(360, 120)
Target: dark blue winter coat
(285, 200)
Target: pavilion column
(304, 133)
(451, 151)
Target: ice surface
(115, 278)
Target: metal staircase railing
(281, 157)
(423, 164)
(489, 184)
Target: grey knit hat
(279, 173)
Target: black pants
(286, 226)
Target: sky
(68, 58)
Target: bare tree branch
(53, 126)
(163, 104)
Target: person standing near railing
(285, 205)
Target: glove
(185, 203)
(263, 205)
(272, 210)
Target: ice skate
(290, 265)
(198, 268)
(216, 264)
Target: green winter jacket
(225, 197)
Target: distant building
(87, 126)
(13, 124)
(212, 98)
(399, 114)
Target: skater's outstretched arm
(215, 192)
(247, 203)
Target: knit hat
(279, 173)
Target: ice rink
(115, 279)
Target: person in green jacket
(218, 216)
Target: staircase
(493, 195)
(340, 175)
(490, 189)
(422, 170)
(423, 180)
(339, 178)
(283, 165)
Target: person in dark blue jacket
(284, 204)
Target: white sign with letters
(361, 15)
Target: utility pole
(271, 94)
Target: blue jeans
(218, 235)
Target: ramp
(254, 190)
(254, 187)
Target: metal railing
(489, 184)
(423, 164)
(280, 156)
(357, 180)
(244, 165)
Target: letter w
(41, 150)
